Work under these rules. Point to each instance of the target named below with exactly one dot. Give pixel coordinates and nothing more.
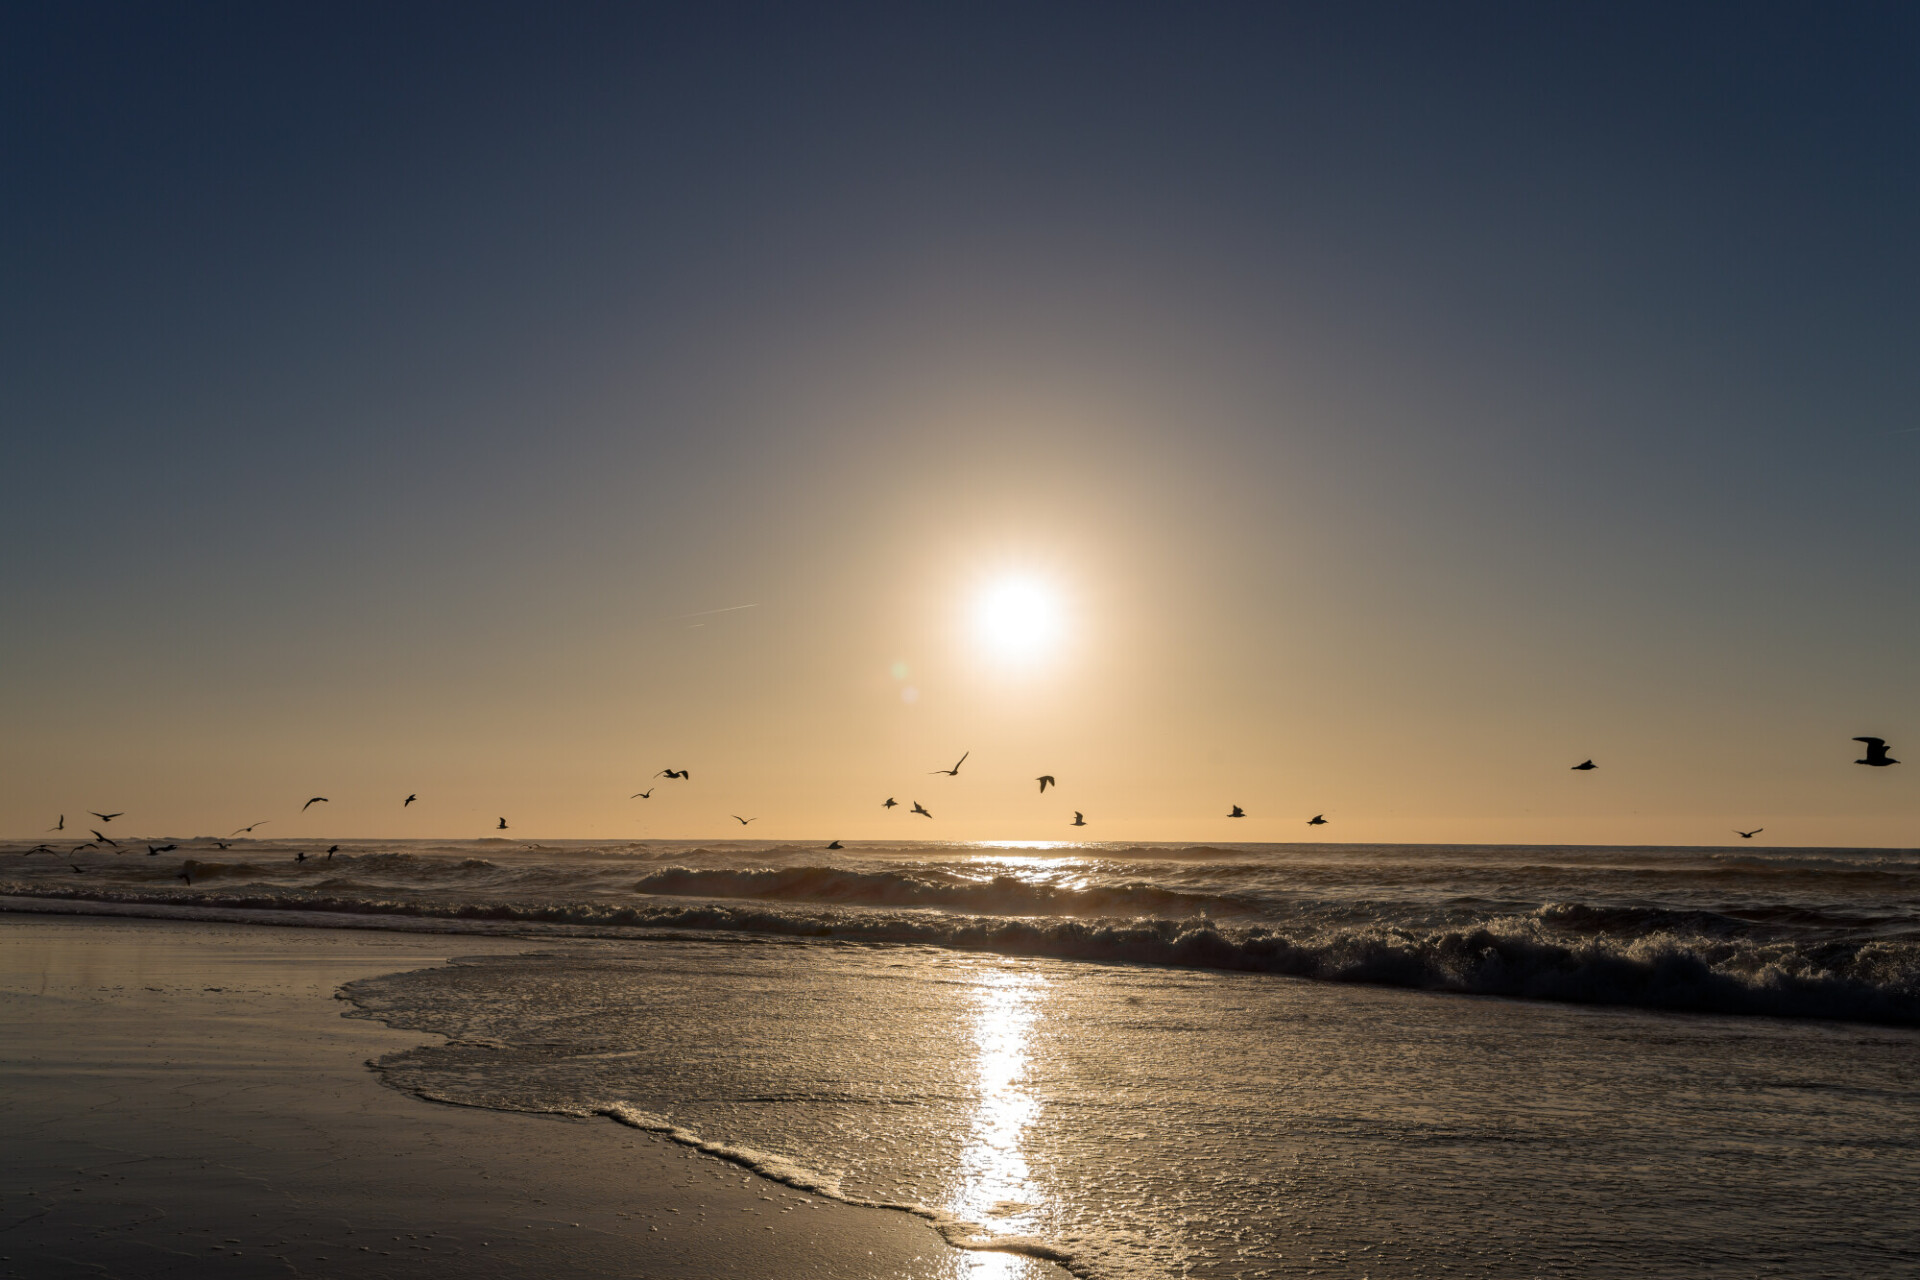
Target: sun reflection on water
(996, 1187)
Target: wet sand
(186, 1099)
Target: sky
(1386, 406)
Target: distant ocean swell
(1517, 956)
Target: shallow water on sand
(1150, 1122)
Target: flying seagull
(221, 844)
(1876, 753)
(1317, 820)
(673, 773)
(77, 867)
(955, 771)
(320, 800)
(300, 856)
(60, 825)
(104, 840)
(1079, 818)
(1748, 835)
(1046, 780)
(154, 851)
(409, 800)
(744, 821)
(243, 830)
(109, 817)
(502, 826)
(331, 851)
(1238, 812)
(186, 873)
(836, 845)
(1584, 765)
(642, 795)
(39, 848)
(890, 803)
(917, 809)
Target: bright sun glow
(1018, 619)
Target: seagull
(300, 856)
(331, 851)
(60, 825)
(1238, 812)
(836, 845)
(502, 826)
(642, 795)
(955, 771)
(743, 821)
(917, 809)
(1876, 753)
(39, 848)
(1317, 820)
(1046, 780)
(320, 800)
(186, 873)
(221, 844)
(672, 773)
(1079, 819)
(1748, 835)
(109, 817)
(409, 800)
(104, 840)
(77, 867)
(154, 851)
(1584, 765)
(891, 803)
(242, 830)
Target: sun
(1018, 620)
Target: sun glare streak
(996, 1185)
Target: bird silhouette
(1584, 765)
(642, 795)
(673, 773)
(744, 821)
(955, 771)
(1046, 780)
(104, 840)
(409, 800)
(154, 851)
(917, 809)
(60, 825)
(1876, 753)
(320, 800)
(502, 826)
(1748, 835)
(836, 845)
(1238, 812)
(1079, 819)
(109, 817)
(300, 856)
(331, 850)
(186, 873)
(890, 803)
(39, 848)
(221, 844)
(243, 830)
(1317, 820)
(78, 868)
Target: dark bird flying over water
(409, 800)
(1079, 818)
(60, 825)
(1238, 812)
(890, 803)
(1748, 835)
(154, 851)
(109, 817)
(502, 826)
(955, 771)
(243, 830)
(39, 848)
(1876, 753)
(743, 821)
(300, 856)
(917, 809)
(104, 840)
(1317, 820)
(1585, 765)
(320, 800)
(331, 851)
(836, 845)
(673, 773)
(642, 795)
(1046, 780)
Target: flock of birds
(1876, 757)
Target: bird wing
(314, 801)
(1871, 743)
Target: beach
(184, 1098)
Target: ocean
(1146, 1061)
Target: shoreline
(179, 1098)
